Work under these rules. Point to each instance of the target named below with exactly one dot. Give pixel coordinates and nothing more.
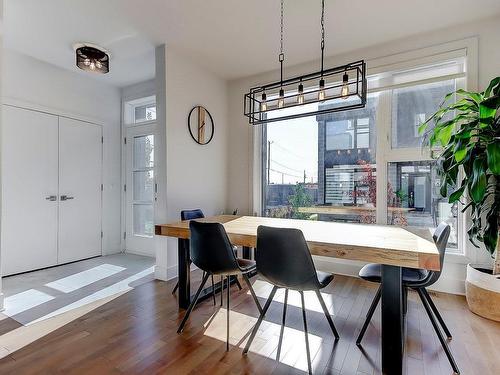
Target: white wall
(33, 84)
(196, 176)
(240, 140)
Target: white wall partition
(196, 175)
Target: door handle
(51, 198)
(66, 197)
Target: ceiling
(232, 38)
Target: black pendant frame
(334, 81)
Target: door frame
(143, 128)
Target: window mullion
(383, 127)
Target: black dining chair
(212, 252)
(192, 215)
(284, 260)
(418, 280)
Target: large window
(364, 165)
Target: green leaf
(493, 153)
(455, 196)
(473, 95)
(494, 82)
(490, 236)
(487, 111)
(445, 134)
(460, 151)
(477, 188)
(444, 189)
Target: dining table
(391, 246)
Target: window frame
(466, 48)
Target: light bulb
(300, 97)
(344, 92)
(86, 62)
(92, 65)
(321, 93)
(281, 101)
(98, 64)
(263, 105)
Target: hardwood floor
(136, 334)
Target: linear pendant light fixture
(336, 89)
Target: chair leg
(282, 326)
(436, 313)
(327, 315)
(213, 289)
(259, 321)
(193, 303)
(252, 292)
(221, 289)
(369, 315)
(238, 283)
(306, 332)
(175, 287)
(438, 332)
(227, 315)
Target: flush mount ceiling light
(92, 58)
(335, 89)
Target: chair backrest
(211, 250)
(192, 214)
(440, 237)
(284, 259)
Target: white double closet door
(51, 181)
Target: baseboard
(447, 283)
(142, 253)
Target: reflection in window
(414, 199)
(411, 106)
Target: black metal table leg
(392, 321)
(246, 252)
(184, 273)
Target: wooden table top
(384, 244)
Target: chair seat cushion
(324, 278)
(373, 272)
(246, 265)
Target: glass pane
(143, 219)
(145, 112)
(143, 185)
(323, 167)
(413, 198)
(339, 135)
(290, 165)
(144, 152)
(411, 106)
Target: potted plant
(466, 128)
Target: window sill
(457, 258)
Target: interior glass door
(140, 190)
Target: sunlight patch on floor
(81, 279)
(293, 350)
(263, 289)
(116, 289)
(24, 301)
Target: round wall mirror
(201, 125)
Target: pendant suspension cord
(322, 34)
(281, 56)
